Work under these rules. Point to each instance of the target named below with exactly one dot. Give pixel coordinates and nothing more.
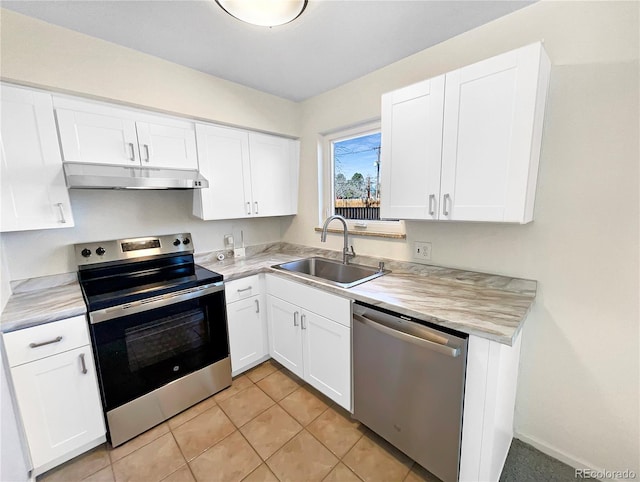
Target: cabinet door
(58, 420)
(490, 133)
(327, 357)
(33, 190)
(97, 138)
(285, 335)
(411, 150)
(224, 161)
(167, 145)
(248, 340)
(273, 175)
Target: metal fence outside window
(367, 213)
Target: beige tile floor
(268, 426)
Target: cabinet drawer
(318, 301)
(242, 288)
(64, 335)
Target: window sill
(366, 232)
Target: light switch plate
(422, 250)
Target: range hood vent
(99, 176)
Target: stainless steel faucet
(346, 253)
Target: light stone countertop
(489, 306)
(42, 300)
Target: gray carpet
(527, 464)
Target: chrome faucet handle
(381, 266)
(347, 252)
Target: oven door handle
(126, 309)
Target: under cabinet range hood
(81, 175)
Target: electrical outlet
(228, 241)
(422, 250)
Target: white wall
(13, 464)
(36, 53)
(5, 288)
(103, 215)
(578, 386)
(578, 390)
(43, 55)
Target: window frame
(326, 187)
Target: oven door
(144, 345)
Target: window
(356, 176)
(350, 161)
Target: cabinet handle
(302, 322)
(84, 365)
(432, 202)
(445, 211)
(146, 151)
(63, 220)
(256, 206)
(36, 345)
(133, 152)
(257, 306)
(295, 319)
(244, 289)
(248, 207)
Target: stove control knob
(186, 241)
(100, 251)
(176, 242)
(85, 252)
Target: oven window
(166, 338)
(144, 351)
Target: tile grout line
(262, 460)
(257, 414)
(181, 453)
(237, 428)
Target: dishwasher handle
(416, 340)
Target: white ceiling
(331, 43)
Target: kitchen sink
(331, 271)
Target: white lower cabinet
(285, 334)
(489, 403)
(247, 323)
(327, 357)
(57, 394)
(310, 334)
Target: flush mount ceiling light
(266, 13)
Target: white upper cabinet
(100, 134)
(34, 194)
(224, 162)
(249, 174)
(411, 150)
(490, 130)
(97, 138)
(167, 143)
(274, 174)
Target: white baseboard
(556, 453)
(570, 460)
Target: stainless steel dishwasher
(408, 386)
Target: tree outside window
(356, 163)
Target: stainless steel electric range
(159, 329)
